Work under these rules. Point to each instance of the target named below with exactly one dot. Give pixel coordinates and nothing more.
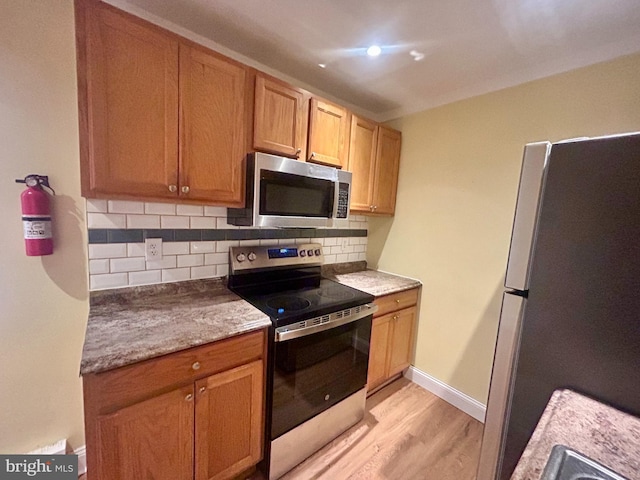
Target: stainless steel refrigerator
(571, 309)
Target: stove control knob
(310, 253)
(303, 253)
(241, 257)
(318, 252)
(252, 256)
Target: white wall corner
(460, 400)
(81, 452)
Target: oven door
(315, 371)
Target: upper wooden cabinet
(281, 116)
(328, 134)
(374, 159)
(160, 117)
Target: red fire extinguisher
(36, 215)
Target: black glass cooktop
(292, 303)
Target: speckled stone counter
(589, 427)
(374, 282)
(133, 324)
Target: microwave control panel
(343, 200)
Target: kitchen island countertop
(129, 325)
(594, 429)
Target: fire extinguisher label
(36, 228)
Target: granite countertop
(598, 431)
(129, 325)
(373, 282)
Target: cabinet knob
(196, 365)
(202, 389)
(398, 301)
(185, 189)
(375, 207)
(173, 188)
(395, 317)
(189, 397)
(371, 207)
(298, 151)
(313, 154)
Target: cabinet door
(150, 439)
(401, 343)
(128, 105)
(362, 157)
(212, 127)
(328, 134)
(229, 420)
(387, 164)
(280, 118)
(378, 351)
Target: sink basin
(567, 464)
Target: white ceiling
(470, 47)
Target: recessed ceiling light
(374, 51)
(322, 65)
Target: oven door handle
(282, 334)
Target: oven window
(315, 372)
(286, 194)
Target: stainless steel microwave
(282, 192)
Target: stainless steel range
(318, 353)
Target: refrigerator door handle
(498, 405)
(526, 216)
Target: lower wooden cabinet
(392, 337)
(196, 414)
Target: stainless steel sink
(567, 464)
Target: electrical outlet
(153, 249)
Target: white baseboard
(449, 394)
(81, 452)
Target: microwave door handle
(283, 335)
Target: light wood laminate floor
(407, 434)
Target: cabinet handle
(298, 151)
(196, 365)
(202, 389)
(185, 189)
(173, 188)
(371, 207)
(189, 397)
(313, 154)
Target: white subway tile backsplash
(106, 220)
(328, 259)
(222, 270)
(354, 241)
(360, 248)
(223, 246)
(124, 206)
(132, 264)
(216, 258)
(249, 243)
(206, 271)
(167, 221)
(362, 257)
(195, 210)
(96, 205)
(135, 250)
(143, 221)
(215, 211)
(110, 280)
(160, 208)
(146, 277)
(221, 223)
(99, 266)
(329, 241)
(194, 260)
(268, 242)
(107, 250)
(175, 248)
(203, 247)
(176, 274)
(168, 261)
(353, 257)
(342, 257)
(203, 222)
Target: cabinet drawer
(123, 386)
(396, 301)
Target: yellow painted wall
(456, 197)
(43, 300)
